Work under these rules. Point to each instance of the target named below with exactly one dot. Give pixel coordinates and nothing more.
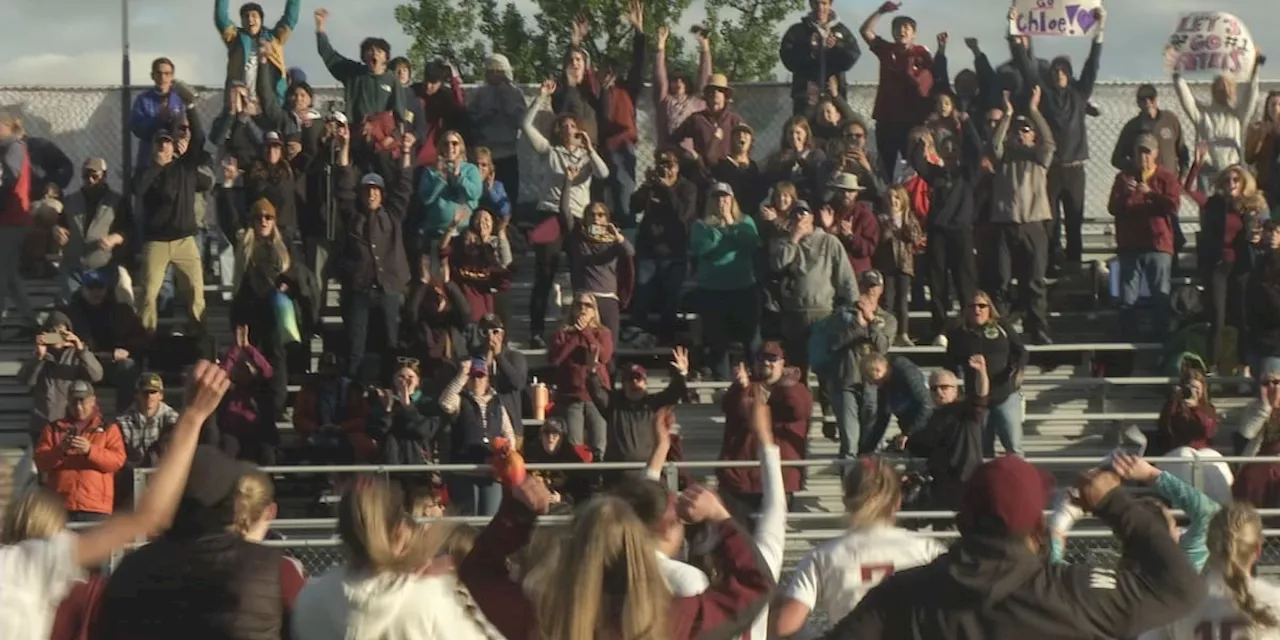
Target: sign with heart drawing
(1211, 43)
(1071, 18)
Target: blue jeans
(475, 495)
(1004, 421)
(621, 183)
(1155, 270)
(853, 407)
(729, 317)
(658, 287)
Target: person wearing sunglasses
(448, 192)
(983, 332)
(579, 349)
(1163, 124)
(476, 417)
(141, 426)
(951, 440)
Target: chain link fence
(87, 122)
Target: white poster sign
(1072, 18)
(1211, 43)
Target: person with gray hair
(951, 440)
(496, 111)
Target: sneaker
(940, 341)
(536, 342)
(904, 340)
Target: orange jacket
(85, 482)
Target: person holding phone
(1188, 418)
(599, 257)
(61, 358)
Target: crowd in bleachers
(805, 262)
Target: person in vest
(201, 574)
(478, 417)
(248, 45)
(94, 222)
(15, 214)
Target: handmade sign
(1211, 43)
(1057, 17)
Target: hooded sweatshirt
(1021, 183)
(1065, 107)
(1218, 125)
(991, 588)
(497, 111)
(819, 268)
(347, 605)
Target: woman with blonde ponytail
(382, 592)
(1238, 605)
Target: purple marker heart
(1086, 20)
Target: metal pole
(126, 102)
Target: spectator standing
(440, 109)
(901, 391)
(618, 134)
(51, 169)
(1222, 122)
(240, 130)
(582, 347)
(330, 412)
(1164, 125)
(631, 410)
(951, 441)
(853, 221)
(1188, 418)
(1023, 149)
(675, 95)
(448, 192)
(972, 89)
(369, 86)
(374, 269)
(251, 50)
(1262, 149)
(790, 404)
(402, 422)
(837, 574)
(80, 455)
(740, 172)
(157, 109)
(436, 315)
(249, 414)
(270, 178)
(1064, 104)
(598, 252)
(508, 370)
(577, 91)
(669, 203)
(496, 111)
(476, 264)
(478, 418)
(707, 131)
(569, 146)
(798, 160)
(112, 331)
(15, 214)
(53, 368)
(983, 332)
(903, 99)
(166, 192)
(96, 222)
(816, 49)
(901, 239)
(723, 244)
(1145, 202)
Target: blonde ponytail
(872, 492)
(373, 526)
(1234, 540)
(34, 515)
(254, 494)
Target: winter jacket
(243, 49)
(1222, 127)
(630, 422)
(442, 196)
(1262, 151)
(1224, 230)
(1262, 314)
(668, 212)
(804, 53)
(1003, 349)
(905, 396)
(1021, 182)
(90, 218)
(408, 433)
(153, 112)
(951, 444)
(594, 262)
(791, 404)
(905, 93)
(987, 588)
(746, 180)
(433, 333)
(85, 482)
(806, 169)
(210, 584)
(107, 327)
(167, 195)
(361, 263)
(837, 344)
(1144, 221)
(568, 353)
(433, 115)
(50, 378)
(952, 189)
(1173, 153)
(860, 244)
(364, 92)
(588, 162)
(496, 112)
(819, 269)
(1064, 108)
(15, 183)
(725, 255)
(334, 402)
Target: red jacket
(725, 610)
(619, 125)
(1144, 221)
(1181, 426)
(15, 206)
(569, 353)
(306, 417)
(791, 404)
(906, 83)
(85, 482)
(862, 243)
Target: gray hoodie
(1020, 187)
(50, 378)
(497, 112)
(816, 272)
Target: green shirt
(725, 255)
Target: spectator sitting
(143, 425)
(95, 221)
(403, 421)
(817, 50)
(449, 191)
(189, 576)
(478, 417)
(248, 415)
(550, 447)
(1188, 418)
(80, 455)
(901, 391)
(582, 347)
(705, 130)
(330, 412)
(494, 194)
(496, 111)
(111, 330)
(675, 95)
(61, 358)
(951, 440)
(630, 411)
(369, 86)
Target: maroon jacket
(905, 94)
(569, 353)
(723, 611)
(862, 243)
(1180, 426)
(791, 404)
(711, 135)
(1144, 221)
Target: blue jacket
(240, 44)
(440, 196)
(497, 200)
(905, 395)
(151, 113)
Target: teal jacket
(365, 92)
(240, 43)
(441, 196)
(725, 255)
(1199, 508)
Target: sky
(79, 42)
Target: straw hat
(719, 81)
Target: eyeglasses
(406, 361)
(1271, 382)
(265, 218)
(941, 387)
(980, 306)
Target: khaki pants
(188, 273)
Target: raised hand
(680, 360)
(547, 87)
(1035, 98)
(1093, 486)
(635, 14)
(700, 504)
(661, 37)
(942, 41)
(208, 384)
(1008, 104)
(978, 363)
(1131, 467)
(322, 15)
(889, 7)
(972, 44)
(533, 493)
(407, 142)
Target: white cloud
(79, 41)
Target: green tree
(441, 29)
(510, 34)
(611, 32)
(746, 40)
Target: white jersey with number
(1217, 618)
(834, 577)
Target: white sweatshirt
(1221, 127)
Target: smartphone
(52, 339)
(596, 230)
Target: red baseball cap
(1006, 496)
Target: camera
(700, 30)
(1184, 390)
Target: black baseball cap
(1146, 92)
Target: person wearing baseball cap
(479, 418)
(80, 454)
(1164, 125)
(552, 446)
(95, 221)
(141, 424)
(629, 411)
(995, 577)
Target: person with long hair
(1222, 122)
(901, 239)
(255, 509)
(271, 177)
(983, 332)
(477, 419)
(437, 313)
(835, 576)
(1188, 418)
(598, 255)
(798, 160)
(382, 591)
(402, 420)
(1262, 149)
(676, 95)
(449, 192)
(583, 345)
(1238, 604)
(724, 243)
(569, 146)
(475, 263)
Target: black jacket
(363, 261)
(1064, 108)
(952, 445)
(1003, 349)
(668, 212)
(49, 165)
(808, 63)
(996, 589)
(630, 422)
(168, 193)
(407, 433)
(216, 585)
(951, 189)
